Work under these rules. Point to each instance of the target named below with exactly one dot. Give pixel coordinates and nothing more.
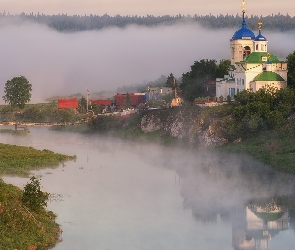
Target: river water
(119, 195)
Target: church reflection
(241, 199)
(253, 226)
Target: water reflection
(260, 203)
(255, 225)
(120, 195)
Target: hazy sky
(144, 7)
(58, 63)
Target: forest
(67, 23)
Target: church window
(256, 46)
(231, 92)
(247, 51)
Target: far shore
(31, 124)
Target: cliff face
(183, 123)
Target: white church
(252, 66)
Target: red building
(67, 103)
(135, 99)
(101, 102)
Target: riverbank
(196, 128)
(21, 228)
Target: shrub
(33, 197)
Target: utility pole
(87, 100)
(174, 83)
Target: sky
(147, 7)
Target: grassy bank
(275, 148)
(21, 228)
(20, 160)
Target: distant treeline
(64, 22)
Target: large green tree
(203, 71)
(291, 69)
(17, 92)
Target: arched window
(256, 46)
(247, 51)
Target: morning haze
(58, 63)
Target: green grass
(275, 148)
(21, 228)
(20, 160)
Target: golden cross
(259, 25)
(243, 6)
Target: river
(119, 195)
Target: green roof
(256, 57)
(269, 216)
(269, 76)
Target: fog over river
(119, 195)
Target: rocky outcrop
(183, 123)
(151, 122)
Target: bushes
(22, 228)
(33, 197)
(266, 109)
(103, 123)
(38, 113)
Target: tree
(82, 105)
(222, 68)
(127, 103)
(171, 82)
(194, 82)
(202, 72)
(17, 92)
(291, 69)
(33, 197)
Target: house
(135, 99)
(157, 93)
(67, 103)
(252, 65)
(101, 102)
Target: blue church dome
(260, 37)
(244, 33)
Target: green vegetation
(17, 92)
(39, 113)
(24, 223)
(202, 72)
(19, 160)
(291, 69)
(274, 148)
(33, 197)
(21, 227)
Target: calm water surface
(120, 195)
